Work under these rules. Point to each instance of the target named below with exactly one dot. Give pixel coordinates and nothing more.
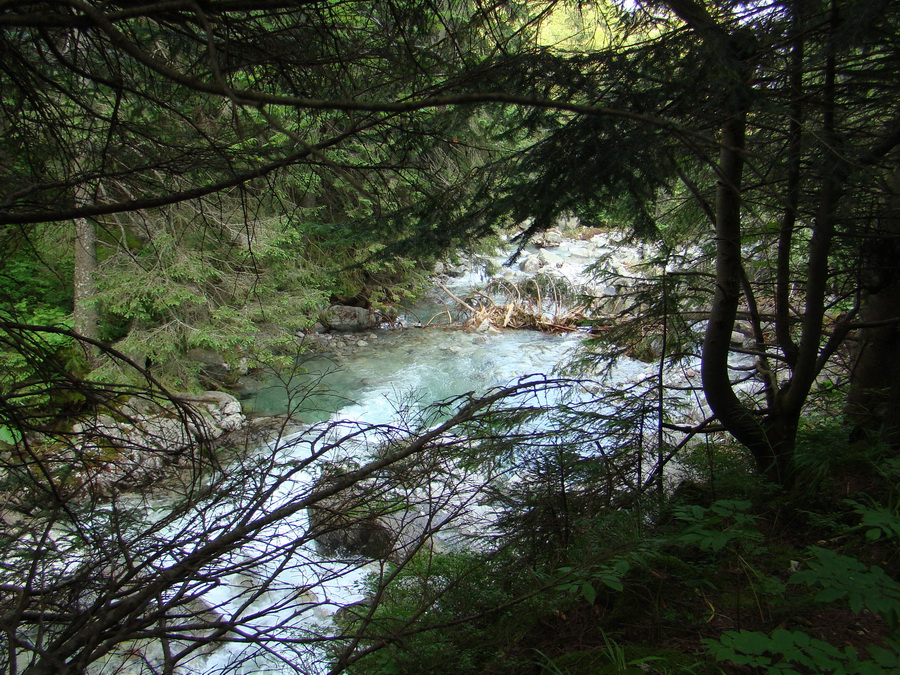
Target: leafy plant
(879, 522)
(607, 575)
(724, 524)
(426, 598)
(725, 528)
(795, 652)
(842, 577)
(610, 660)
(837, 577)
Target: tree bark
(770, 442)
(783, 279)
(873, 404)
(86, 313)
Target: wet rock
(347, 523)
(530, 264)
(225, 413)
(256, 432)
(134, 448)
(550, 238)
(345, 535)
(744, 328)
(550, 259)
(347, 318)
(212, 365)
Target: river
(279, 587)
(378, 377)
(432, 356)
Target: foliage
(618, 662)
(878, 522)
(725, 524)
(720, 468)
(213, 217)
(456, 602)
(833, 577)
(239, 538)
(795, 652)
(394, 164)
(840, 577)
(606, 575)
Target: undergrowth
(725, 577)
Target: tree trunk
(770, 441)
(86, 314)
(873, 405)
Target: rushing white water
(278, 589)
(283, 601)
(391, 372)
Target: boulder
(550, 238)
(530, 264)
(344, 535)
(134, 448)
(348, 318)
(745, 328)
(224, 413)
(551, 259)
(212, 365)
(366, 520)
(346, 524)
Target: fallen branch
(455, 297)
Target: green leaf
(9, 434)
(589, 593)
(613, 583)
(830, 595)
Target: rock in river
(348, 318)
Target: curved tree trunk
(770, 439)
(769, 436)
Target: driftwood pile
(521, 311)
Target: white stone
(550, 259)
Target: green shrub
(794, 652)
